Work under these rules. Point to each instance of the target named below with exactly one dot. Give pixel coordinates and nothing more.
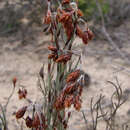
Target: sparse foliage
(107, 114)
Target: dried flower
(69, 88)
(43, 118)
(65, 1)
(36, 121)
(80, 90)
(22, 93)
(77, 104)
(79, 13)
(85, 35)
(28, 121)
(52, 48)
(73, 76)
(51, 56)
(39, 121)
(65, 16)
(59, 103)
(64, 58)
(66, 19)
(14, 81)
(20, 113)
(82, 34)
(68, 101)
(47, 19)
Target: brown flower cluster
(47, 19)
(22, 93)
(73, 76)
(14, 80)
(70, 94)
(84, 35)
(20, 113)
(38, 121)
(68, 17)
(79, 13)
(65, 17)
(63, 58)
(52, 48)
(65, 2)
(54, 54)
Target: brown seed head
(85, 37)
(20, 113)
(69, 88)
(47, 19)
(52, 48)
(77, 106)
(14, 81)
(77, 103)
(68, 101)
(22, 93)
(80, 90)
(79, 13)
(65, 17)
(64, 58)
(65, 1)
(59, 103)
(51, 56)
(73, 76)
(28, 121)
(36, 121)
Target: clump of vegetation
(62, 86)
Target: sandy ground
(100, 61)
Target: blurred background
(15, 13)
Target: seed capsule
(73, 76)
(28, 121)
(14, 81)
(20, 113)
(52, 48)
(65, 1)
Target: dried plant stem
(107, 115)
(8, 100)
